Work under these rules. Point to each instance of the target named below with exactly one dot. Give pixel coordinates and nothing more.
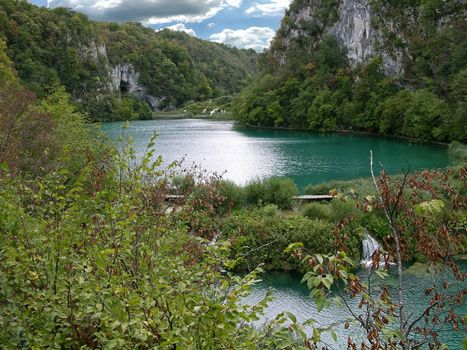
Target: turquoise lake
(307, 158)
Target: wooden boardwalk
(173, 197)
(314, 197)
(303, 198)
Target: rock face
(122, 78)
(125, 79)
(352, 27)
(354, 30)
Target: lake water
(291, 295)
(248, 153)
(306, 158)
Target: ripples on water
(291, 295)
(248, 153)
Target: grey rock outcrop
(353, 28)
(95, 52)
(125, 79)
(119, 79)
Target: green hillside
(111, 69)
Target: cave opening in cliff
(124, 87)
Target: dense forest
(412, 83)
(117, 71)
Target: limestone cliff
(121, 78)
(349, 21)
(125, 79)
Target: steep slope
(394, 67)
(110, 68)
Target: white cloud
(271, 8)
(147, 11)
(211, 25)
(180, 27)
(234, 3)
(257, 38)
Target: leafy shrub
(357, 187)
(376, 224)
(86, 268)
(259, 236)
(317, 211)
(344, 207)
(280, 191)
(458, 152)
(270, 210)
(254, 192)
(275, 190)
(234, 195)
(182, 183)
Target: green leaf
(333, 335)
(320, 258)
(291, 316)
(316, 335)
(320, 304)
(326, 282)
(381, 273)
(429, 207)
(293, 247)
(4, 166)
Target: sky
(240, 23)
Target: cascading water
(369, 246)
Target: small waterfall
(370, 246)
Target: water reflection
(247, 153)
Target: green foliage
(357, 187)
(345, 207)
(125, 108)
(27, 141)
(233, 195)
(458, 152)
(6, 71)
(71, 129)
(214, 106)
(425, 117)
(317, 211)
(274, 190)
(97, 263)
(393, 111)
(259, 236)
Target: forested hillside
(392, 67)
(117, 71)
